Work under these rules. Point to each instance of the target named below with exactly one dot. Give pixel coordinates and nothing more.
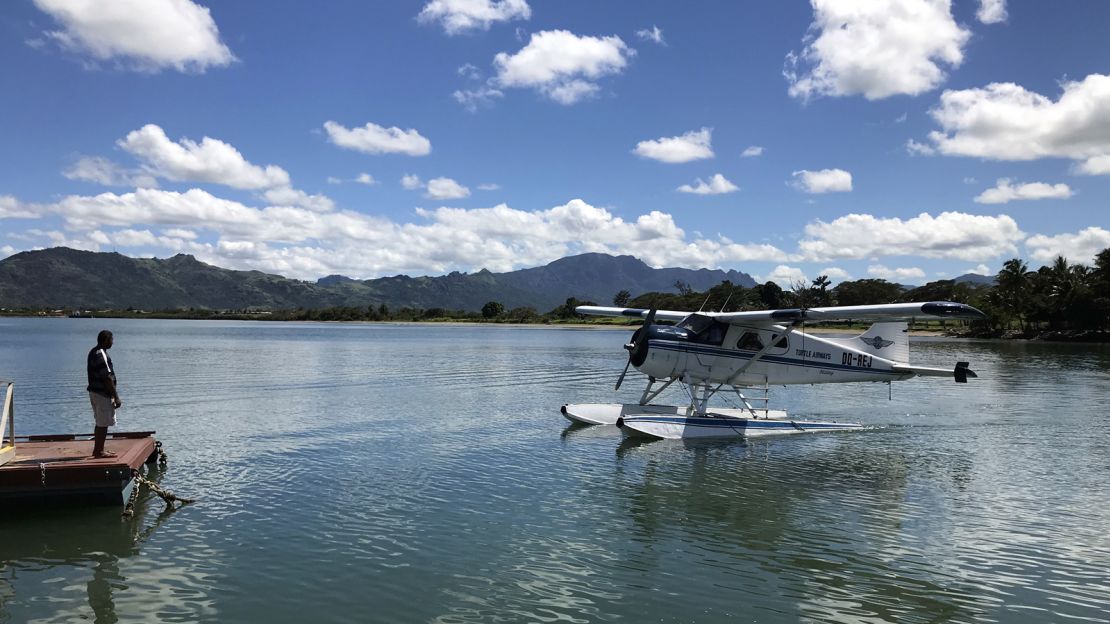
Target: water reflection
(94, 539)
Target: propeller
(637, 349)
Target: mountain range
(68, 278)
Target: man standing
(102, 391)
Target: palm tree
(1013, 289)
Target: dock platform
(59, 469)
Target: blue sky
(911, 140)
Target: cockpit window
(780, 341)
(705, 330)
(749, 342)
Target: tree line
(1057, 297)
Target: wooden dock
(60, 469)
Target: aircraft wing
(880, 312)
(662, 315)
(886, 312)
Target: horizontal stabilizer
(961, 372)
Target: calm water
(358, 473)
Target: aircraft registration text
(854, 359)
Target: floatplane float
(708, 353)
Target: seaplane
(733, 353)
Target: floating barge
(60, 469)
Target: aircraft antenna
(707, 295)
(727, 299)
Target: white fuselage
(800, 359)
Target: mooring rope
(140, 481)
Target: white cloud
(752, 151)
(716, 185)
(305, 244)
(473, 99)
(366, 178)
(952, 235)
(12, 208)
(982, 269)
(1004, 121)
(694, 145)
(785, 276)
(179, 233)
(823, 181)
(445, 188)
(1004, 192)
(895, 275)
(489, 187)
(655, 34)
(1080, 247)
(561, 65)
(375, 139)
(876, 48)
(334, 180)
(211, 160)
(467, 70)
(7, 251)
(411, 182)
(147, 35)
(836, 274)
(102, 171)
(919, 149)
(991, 11)
(460, 16)
(286, 196)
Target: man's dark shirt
(100, 366)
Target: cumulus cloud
(876, 49)
(1080, 247)
(895, 275)
(100, 170)
(489, 187)
(752, 151)
(1004, 121)
(146, 35)
(1005, 192)
(411, 182)
(694, 145)
(303, 243)
(785, 276)
(366, 178)
(561, 65)
(211, 160)
(836, 274)
(286, 196)
(445, 188)
(12, 208)
(981, 269)
(375, 139)
(952, 235)
(460, 16)
(716, 185)
(654, 34)
(991, 11)
(823, 181)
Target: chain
(42, 469)
(169, 497)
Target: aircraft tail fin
(886, 340)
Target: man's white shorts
(103, 411)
